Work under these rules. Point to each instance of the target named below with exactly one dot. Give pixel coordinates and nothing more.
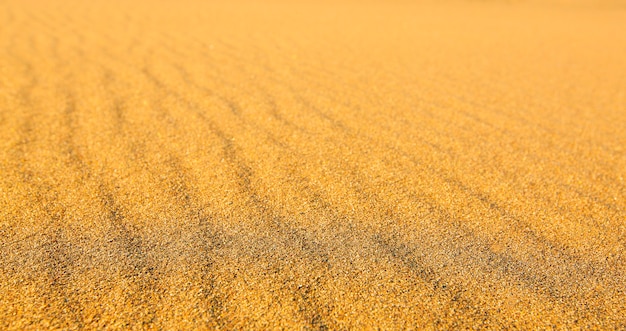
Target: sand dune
(322, 165)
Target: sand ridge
(312, 165)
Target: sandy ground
(312, 165)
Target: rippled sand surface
(198, 164)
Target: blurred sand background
(307, 165)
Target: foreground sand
(192, 164)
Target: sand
(198, 164)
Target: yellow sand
(199, 164)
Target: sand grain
(307, 165)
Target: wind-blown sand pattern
(198, 164)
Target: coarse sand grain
(300, 165)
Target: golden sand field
(300, 165)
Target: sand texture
(312, 165)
